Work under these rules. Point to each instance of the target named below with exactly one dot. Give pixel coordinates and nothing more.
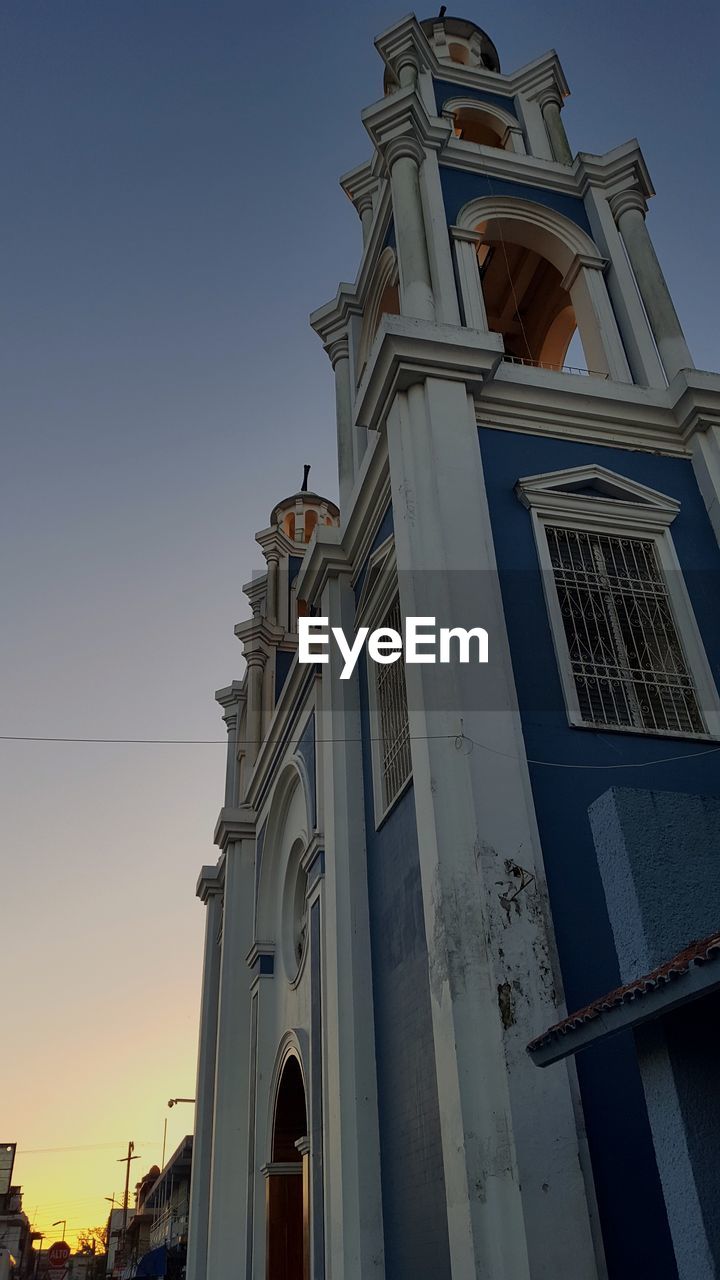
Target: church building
(460, 988)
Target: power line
(422, 737)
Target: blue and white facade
(412, 883)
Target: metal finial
(443, 11)
(306, 473)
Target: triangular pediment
(594, 485)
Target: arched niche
(383, 298)
(286, 838)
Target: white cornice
(211, 881)
(595, 410)
(235, 824)
(230, 695)
(326, 558)
(622, 169)
(407, 351)
(401, 118)
(258, 636)
(695, 399)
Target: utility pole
(126, 1161)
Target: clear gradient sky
(170, 214)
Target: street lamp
(173, 1101)
(61, 1222)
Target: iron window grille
(392, 717)
(628, 663)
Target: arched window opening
(459, 53)
(290, 1114)
(289, 525)
(310, 522)
(288, 1236)
(477, 126)
(383, 299)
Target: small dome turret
(298, 515)
(460, 41)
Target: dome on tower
(460, 41)
(298, 514)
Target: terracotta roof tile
(696, 953)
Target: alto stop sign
(58, 1253)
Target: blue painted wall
(413, 1183)
(459, 187)
(283, 663)
(445, 90)
(631, 1205)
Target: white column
(210, 892)
(447, 310)
(629, 209)
(404, 157)
(228, 1180)
(366, 210)
(551, 105)
(515, 1195)
(632, 321)
(271, 597)
(468, 268)
(352, 1149)
(595, 317)
(255, 671)
(339, 353)
(231, 768)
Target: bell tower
(509, 316)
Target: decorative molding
(579, 407)
(581, 260)
(261, 959)
(399, 125)
(235, 824)
(408, 351)
(623, 201)
(615, 499)
(211, 882)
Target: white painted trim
(372, 607)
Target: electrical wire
(429, 737)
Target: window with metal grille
(392, 717)
(626, 657)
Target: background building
(423, 868)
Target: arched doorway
(288, 1181)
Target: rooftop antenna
(306, 473)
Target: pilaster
(507, 1140)
(352, 1155)
(235, 834)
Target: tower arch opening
(543, 287)
(526, 302)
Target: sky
(170, 216)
